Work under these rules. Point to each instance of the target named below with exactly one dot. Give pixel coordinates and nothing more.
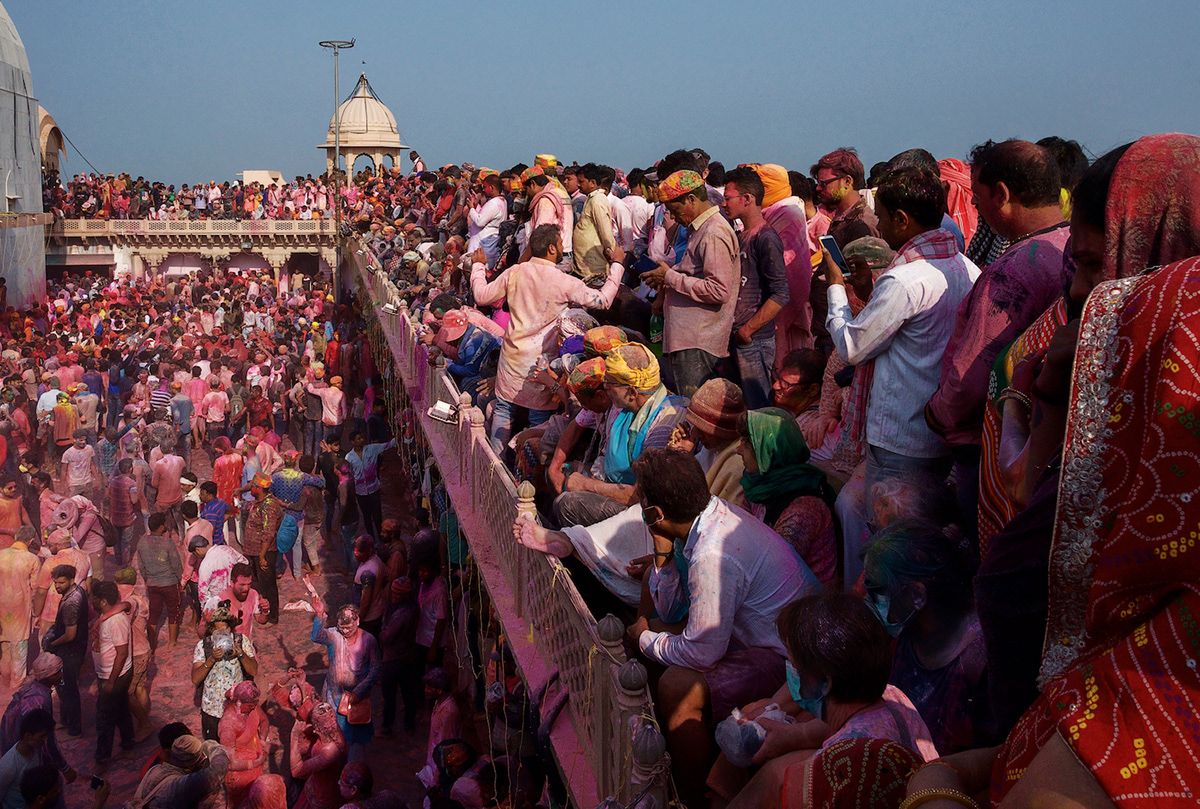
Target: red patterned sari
(1120, 679)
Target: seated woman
(839, 659)
(243, 732)
(785, 491)
(918, 581)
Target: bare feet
(532, 535)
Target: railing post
(464, 435)
(629, 699)
(610, 630)
(651, 766)
(526, 509)
(476, 454)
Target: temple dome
(366, 122)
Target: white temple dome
(366, 122)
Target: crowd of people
(120, 196)
(843, 449)
(170, 452)
(888, 474)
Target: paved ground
(393, 760)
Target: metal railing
(611, 746)
(185, 227)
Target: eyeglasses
(825, 182)
(776, 378)
(735, 196)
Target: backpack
(110, 531)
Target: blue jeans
(691, 368)
(882, 464)
(755, 361)
(502, 422)
(312, 437)
(124, 543)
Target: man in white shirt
(718, 580)
(904, 329)
(112, 659)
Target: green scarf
(783, 469)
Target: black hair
(169, 733)
(592, 173)
(836, 636)
(809, 363)
(1090, 196)
(106, 591)
(747, 181)
(1026, 169)
(541, 239)
(189, 509)
(802, 186)
(1069, 155)
(37, 720)
(63, 572)
(674, 481)
(918, 193)
(716, 174)
(914, 159)
(38, 782)
(156, 521)
(679, 160)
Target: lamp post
(337, 45)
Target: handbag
(357, 714)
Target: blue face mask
(881, 605)
(816, 706)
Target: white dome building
(22, 253)
(368, 128)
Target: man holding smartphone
(902, 333)
(764, 289)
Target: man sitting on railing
(719, 580)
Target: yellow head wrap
(617, 369)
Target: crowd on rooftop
(895, 517)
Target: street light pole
(337, 45)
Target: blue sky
(197, 91)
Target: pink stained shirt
(196, 389)
(333, 403)
(537, 292)
(167, 470)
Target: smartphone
(96, 783)
(644, 264)
(836, 252)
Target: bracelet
(924, 796)
(936, 763)
(1017, 396)
(666, 555)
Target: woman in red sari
(1116, 723)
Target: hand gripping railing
(612, 746)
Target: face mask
(881, 605)
(816, 706)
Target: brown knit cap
(716, 408)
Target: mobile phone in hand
(835, 252)
(96, 783)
